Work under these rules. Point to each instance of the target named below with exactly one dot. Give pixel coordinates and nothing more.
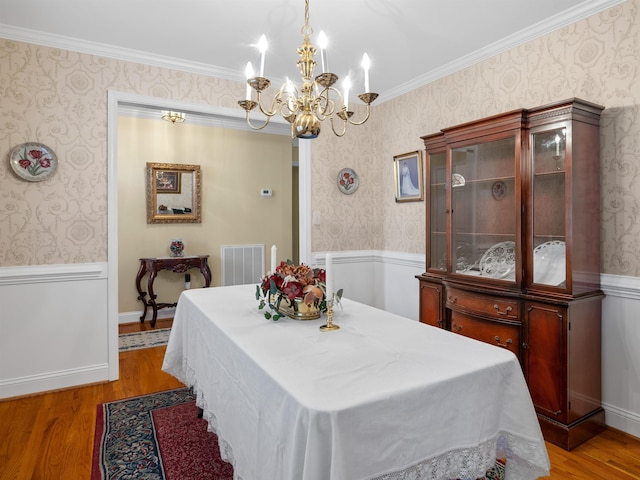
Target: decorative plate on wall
(347, 181)
(33, 161)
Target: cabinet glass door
(438, 211)
(548, 194)
(484, 215)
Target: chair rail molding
(52, 273)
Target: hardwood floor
(50, 436)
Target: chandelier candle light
(316, 100)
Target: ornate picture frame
(409, 178)
(181, 203)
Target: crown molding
(584, 10)
(120, 53)
(568, 17)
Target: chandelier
(315, 101)
(174, 117)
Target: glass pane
(438, 207)
(549, 248)
(484, 209)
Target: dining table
(381, 398)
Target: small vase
(177, 248)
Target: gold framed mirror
(173, 193)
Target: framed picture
(407, 170)
(167, 181)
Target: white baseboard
(623, 420)
(16, 387)
(134, 317)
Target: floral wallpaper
(597, 59)
(59, 98)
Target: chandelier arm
(325, 107)
(274, 108)
(344, 127)
(288, 103)
(360, 122)
(260, 127)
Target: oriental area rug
(156, 437)
(160, 437)
(145, 339)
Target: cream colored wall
(234, 166)
(596, 59)
(58, 97)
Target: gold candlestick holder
(329, 326)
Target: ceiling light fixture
(174, 117)
(314, 102)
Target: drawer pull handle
(507, 310)
(507, 344)
(455, 327)
(453, 299)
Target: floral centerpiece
(297, 291)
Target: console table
(153, 265)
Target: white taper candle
(328, 268)
(346, 85)
(262, 47)
(322, 43)
(248, 71)
(366, 63)
(274, 251)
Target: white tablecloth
(384, 397)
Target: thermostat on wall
(266, 192)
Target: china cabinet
(513, 251)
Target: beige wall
(59, 98)
(234, 166)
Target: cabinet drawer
(500, 334)
(486, 305)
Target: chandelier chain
(306, 30)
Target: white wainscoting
(53, 327)
(381, 279)
(621, 352)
